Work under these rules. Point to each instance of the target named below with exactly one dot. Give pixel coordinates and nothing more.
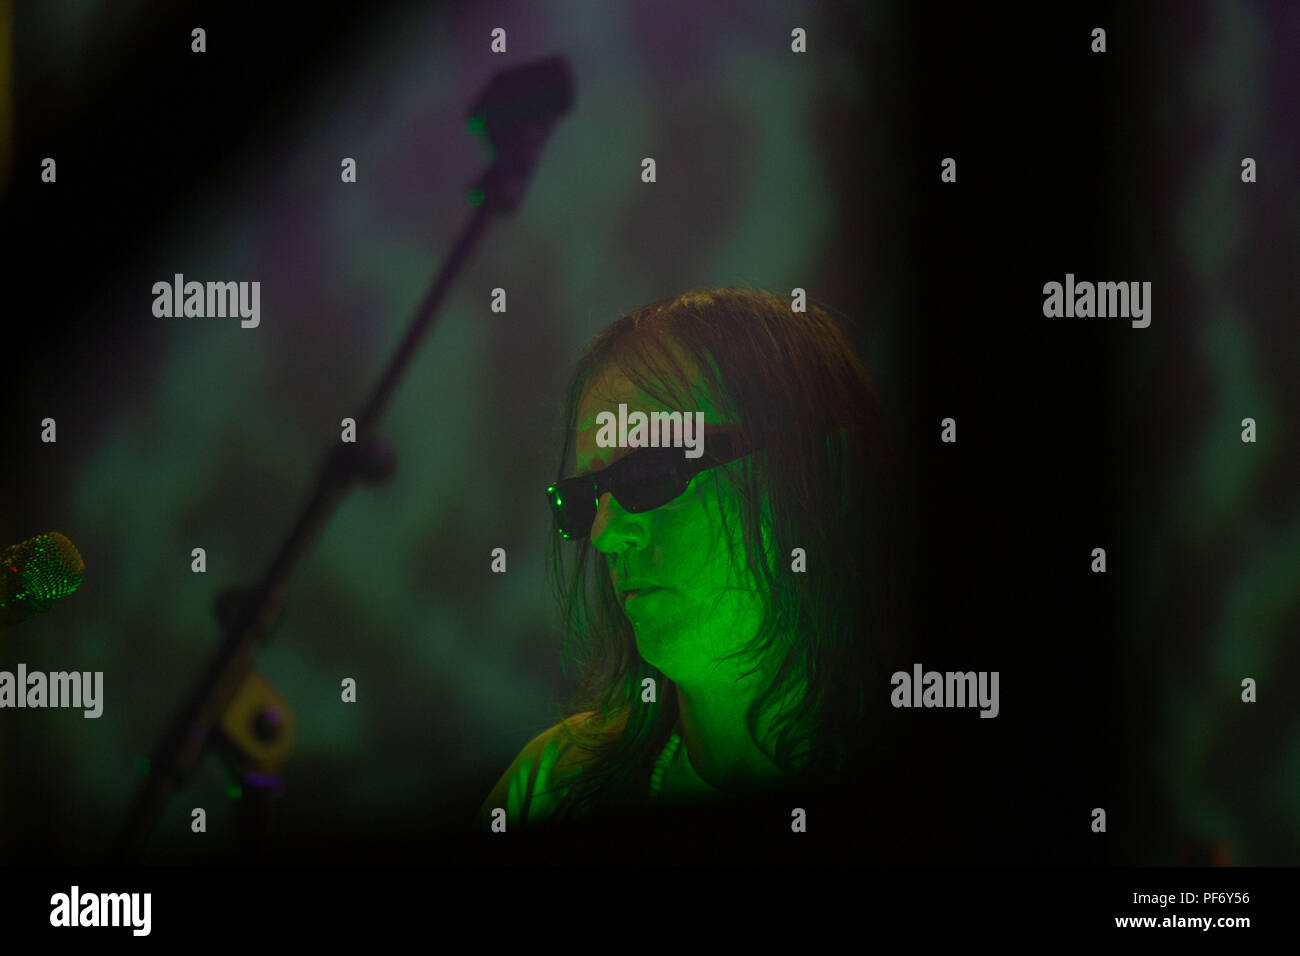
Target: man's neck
(721, 751)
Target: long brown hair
(821, 481)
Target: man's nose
(613, 525)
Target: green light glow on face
(691, 550)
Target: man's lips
(637, 592)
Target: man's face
(703, 605)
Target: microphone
(36, 574)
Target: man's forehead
(605, 394)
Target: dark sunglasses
(639, 481)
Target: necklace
(661, 764)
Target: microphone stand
(516, 111)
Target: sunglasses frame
(592, 486)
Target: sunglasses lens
(572, 507)
(642, 481)
(649, 480)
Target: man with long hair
(721, 608)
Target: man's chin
(652, 644)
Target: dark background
(1118, 691)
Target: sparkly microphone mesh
(37, 573)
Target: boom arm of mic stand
(187, 736)
(517, 111)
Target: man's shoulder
(550, 761)
(575, 737)
(572, 740)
